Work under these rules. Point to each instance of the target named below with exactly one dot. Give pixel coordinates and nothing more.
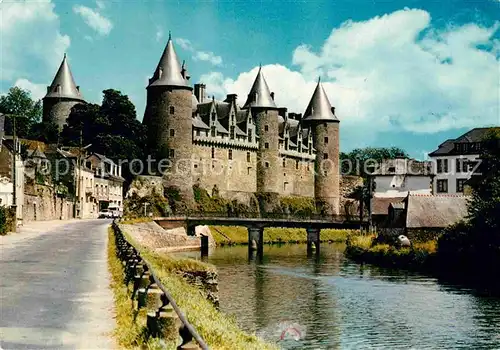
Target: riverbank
(421, 256)
(238, 235)
(218, 330)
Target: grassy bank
(218, 330)
(227, 235)
(420, 257)
(130, 331)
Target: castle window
(284, 174)
(248, 157)
(296, 164)
(326, 139)
(197, 132)
(172, 132)
(267, 164)
(213, 116)
(249, 135)
(172, 109)
(284, 162)
(266, 127)
(248, 170)
(325, 155)
(232, 132)
(171, 153)
(266, 145)
(230, 154)
(286, 143)
(213, 152)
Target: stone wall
(57, 110)
(327, 179)
(42, 204)
(297, 177)
(268, 166)
(235, 175)
(168, 118)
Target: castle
(218, 145)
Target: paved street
(55, 287)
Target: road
(54, 287)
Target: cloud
(21, 54)
(94, 19)
(37, 91)
(206, 56)
(391, 73)
(159, 33)
(100, 4)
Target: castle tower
(320, 116)
(168, 118)
(267, 120)
(61, 96)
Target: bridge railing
(266, 215)
(164, 318)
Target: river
(331, 302)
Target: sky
(409, 74)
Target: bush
(7, 220)
(156, 204)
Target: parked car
(105, 214)
(115, 211)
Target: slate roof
(63, 85)
(448, 147)
(198, 123)
(380, 205)
(259, 95)
(169, 71)
(427, 211)
(319, 108)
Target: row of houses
(55, 182)
(412, 196)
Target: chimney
(230, 98)
(333, 110)
(272, 95)
(78, 88)
(199, 92)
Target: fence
(164, 318)
(266, 215)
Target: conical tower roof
(169, 71)
(259, 95)
(63, 85)
(319, 107)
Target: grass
(130, 331)
(131, 221)
(224, 235)
(421, 256)
(218, 330)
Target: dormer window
(213, 116)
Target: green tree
(112, 128)
(474, 244)
(353, 162)
(18, 104)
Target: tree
(474, 244)
(353, 162)
(27, 112)
(112, 128)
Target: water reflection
(345, 305)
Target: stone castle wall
(268, 169)
(57, 110)
(236, 175)
(42, 204)
(327, 179)
(169, 120)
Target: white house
(455, 160)
(395, 179)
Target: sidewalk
(36, 228)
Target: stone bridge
(255, 223)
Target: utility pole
(14, 170)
